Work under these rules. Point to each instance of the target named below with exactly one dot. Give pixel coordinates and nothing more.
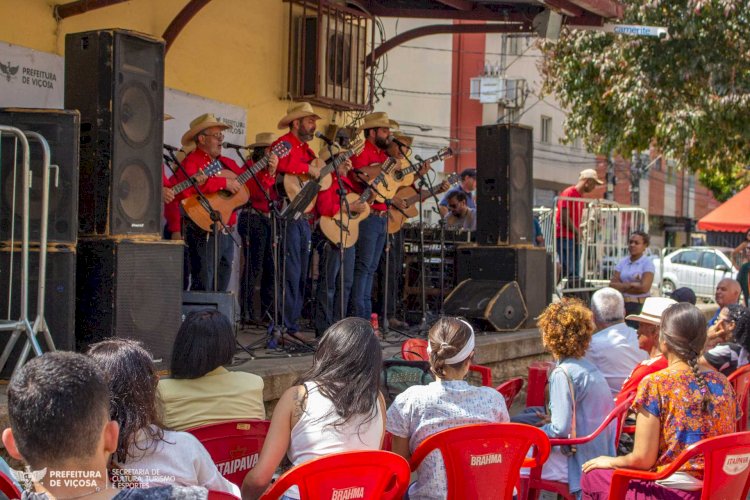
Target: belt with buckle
(379, 213)
(307, 217)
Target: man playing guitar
(300, 121)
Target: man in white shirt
(614, 347)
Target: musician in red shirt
(376, 127)
(300, 121)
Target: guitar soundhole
(225, 194)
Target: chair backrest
(8, 487)
(234, 446)
(617, 415)
(414, 350)
(220, 495)
(351, 474)
(510, 389)
(538, 378)
(740, 380)
(484, 460)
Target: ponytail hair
(446, 339)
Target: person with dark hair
(421, 411)
(201, 391)
(729, 350)
(683, 294)
(634, 274)
(335, 406)
(577, 390)
(461, 216)
(467, 187)
(143, 442)
(676, 407)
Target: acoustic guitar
(332, 226)
(294, 184)
(405, 176)
(225, 202)
(387, 185)
(397, 219)
(209, 170)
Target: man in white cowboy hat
(300, 121)
(254, 226)
(568, 229)
(373, 230)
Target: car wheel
(667, 287)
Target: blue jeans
(297, 253)
(372, 232)
(256, 233)
(201, 250)
(569, 253)
(328, 297)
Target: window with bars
(546, 130)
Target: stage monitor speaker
(130, 289)
(495, 304)
(505, 189)
(60, 128)
(116, 79)
(59, 301)
(199, 301)
(529, 266)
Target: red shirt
(172, 209)
(299, 157)
(257, 199)
(642, 369)
(574, 209)
(369, 155)
(328, 200)
(195, 161)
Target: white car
(698, 268)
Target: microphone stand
(343, 205)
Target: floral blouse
(675, 397)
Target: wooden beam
(565, 7)
(181, 20)
(608, 9)
(458, 4)
(61, 11)
(467, 15)
(437, 29)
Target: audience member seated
(666, 423)
(723, 329)
(201, 391)
(734, 328)
(59, 412)
(422, 411)
(614, 347)
(648, 321)
(143, 444)
(335, 406)
(576, 388)
(683, 294)
(727, 292)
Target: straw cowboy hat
(379, 119)
(653, 308)
(200, 124)
(263, 140)
(295, 111)
(406, 139)
(168, 117)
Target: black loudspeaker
(505, 187)
(130, 289)
(495, 304)
(529, 266)
(60, 128)
(116, 79)
(199, 301)
(59, 302)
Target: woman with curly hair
(676, 407)
(731, 352)
(579, 397)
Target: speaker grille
(134, 188)
(137, 114)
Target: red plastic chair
(510, 389)
(538, 378)
(535, 481)
(416, 350)
(220, 495)
(8, 487)
(740, 380)
(484, 461)
(234, 446)
(726, 474)
(351, 474)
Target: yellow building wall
(234, 51)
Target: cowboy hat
(200, 124)
(168, 117)
(263, 140)
(295, 111)
(379, 119)
(406, 139)
(653, 308)
(590, 173)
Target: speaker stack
(504, 282)
(129, 281)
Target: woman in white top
(336, 406)
(147, 454)
(422, 411)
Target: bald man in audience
(727, 292)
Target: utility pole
(611, 179)
(635, 179)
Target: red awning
(732, 216)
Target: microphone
(323, 138)
(394, 139)
(418, 158)
(229, 145)
(171, 148)
(168, 159)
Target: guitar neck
(182, 186)
(415, 167)
(423, 195)
(254, 169)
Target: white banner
(30, 78)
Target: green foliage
(689, 95)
